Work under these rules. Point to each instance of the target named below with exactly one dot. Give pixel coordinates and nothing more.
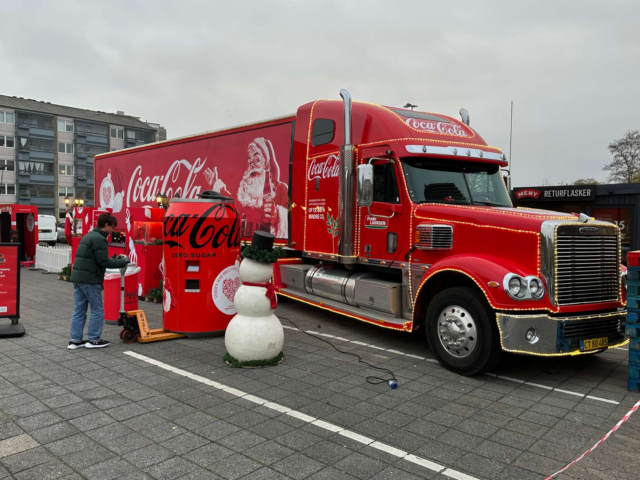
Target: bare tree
(625, 166)
(586, 181)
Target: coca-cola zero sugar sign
(251, 167)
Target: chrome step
(363, 312)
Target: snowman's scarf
(270, 293)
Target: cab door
(381, 224)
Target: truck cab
(402, 219)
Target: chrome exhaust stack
(345, 192)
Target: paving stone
(10, 429)
(265, 474)
(209, 454)
(50, 470)
(360, 466)
(298, 466)
(185, 443)
(87, 457)
(54, 432)
(147, 456)
(241, 441)
(109, 469)
(513, 439)
(18, 444)
(91, 421)
(38, 421)
(298, 440)
(327, 452)
(26, 459)
(170, 469)
(268, 452)
(217, 430)
(331, 473)
(234, 466)
(498, 451)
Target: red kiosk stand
(143, 245)
(10, 289)
(84, 220)
(19, 224)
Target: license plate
(594, 344)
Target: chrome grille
(587, 267)
(596, 328)
(435, 237)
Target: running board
(371, 315)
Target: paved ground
(104, 414)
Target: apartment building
(47, 150)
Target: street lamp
(78, 202)
(162, 200)
(67, 201)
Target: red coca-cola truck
(400, 219)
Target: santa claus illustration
(261, 188)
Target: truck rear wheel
(462, 332)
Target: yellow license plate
(594, 344)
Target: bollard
(633, 319)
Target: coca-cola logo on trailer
(200, 236)
(329, 168)
(144, 189)
(437, 127)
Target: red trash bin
(112, 292)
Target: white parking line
(314, 421)
(433, 360)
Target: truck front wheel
(462, 332)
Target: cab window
(385, 184)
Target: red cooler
(201, 252)
(112, 292)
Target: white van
(47, 229)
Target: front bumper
(558, 336)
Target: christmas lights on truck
(399, 219)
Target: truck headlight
(535, 287)
(515, 286)
(519, 288)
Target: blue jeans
(87, 295)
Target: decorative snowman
(255, 336)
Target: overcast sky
(570, 67)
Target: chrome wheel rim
(457, 331)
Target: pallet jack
(134, 323)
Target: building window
(83, 148)
(6, 117)
(92, 129)
(8, 142)
(66, 191)
(39, 144)
(67, 170)
(36, 168)
(65, 126)
(7, 189)
(117, 132)
(32, 190)
(141, 136)
(65, 147)
(8, 165)
(32, 120)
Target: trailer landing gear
(135, 327)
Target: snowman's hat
(263, 240)
(261, 248)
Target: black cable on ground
(393, 381)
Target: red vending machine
(84, 220)
(143, 245)
(201, 264)
(19, 224)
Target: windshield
(459, 183)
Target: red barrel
(112, 292)
(201, 250)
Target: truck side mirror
(365, 185)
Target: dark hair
(107, 219)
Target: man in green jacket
(92, 258)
